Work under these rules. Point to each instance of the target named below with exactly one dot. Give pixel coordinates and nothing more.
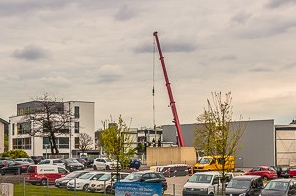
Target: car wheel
(85, 187)
(265, 178)
(43, 182)
(108, 190)
(107, 167)
(95, 167)
(2, 174)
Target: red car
(265, 172)
(291, 171)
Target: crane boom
(172, 102)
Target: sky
(103, 52)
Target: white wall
(1, 137)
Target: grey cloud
(279, 3)
(168, 47)
(17, 7)
(31, 53)
(124, 13)
(241, 17)
(260, 69)
(228, 57)
(267, 29)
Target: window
(62, 142)
(13, 129)
(76, 112)
(21, 143)
(23, 128)
(62, 171)
(46, 143)
(76, 127)
(76, 142)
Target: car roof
(246, 177)
(282, 180)
(208, 172)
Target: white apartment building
(2, 124)
(83, 121)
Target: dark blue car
(135, 163)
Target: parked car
(15, 167)
(277, 169)
(4, 163)
(89, 161)
(29, 160)
(245, 185)
(135, 163)
(280, 187)
(62, 182)
(265, 172)
(45, 174)
(58, 162)
(105, 164)
(174, 170)
(147, 176)
(204, 183)
(37, 159)
(284, 173)
(73, 165)
(105, 182)
(83, 181)
(292, 171)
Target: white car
(105, 182)
(204, 183)
(58, 162)
(83, 181)
(105, 164)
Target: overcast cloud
(102, 51)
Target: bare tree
(48, 118)
(85, 142)
(217, 136)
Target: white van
(43, 174)
(204, 183)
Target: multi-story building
(82, 121)
(3, 131)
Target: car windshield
(134, 176)
(239, 184)
(71, 161)
(105, 177)
(86, 176)
(200, 178)
(205, 160)
(277, 185)
(73, 175)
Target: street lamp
(46, 146)
(242, 161)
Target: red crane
(172, 102)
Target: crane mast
(172, 102)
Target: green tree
(217, 135)
(6, 142)
(15, 154)
(117, 142)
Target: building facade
(257, 146)
(285, 136)
(82, 121)
(3, 131)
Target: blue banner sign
(138, 189)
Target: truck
(215, 163)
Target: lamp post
(46, 146)
(242, 161)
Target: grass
(32, 190)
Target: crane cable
(153, 90)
